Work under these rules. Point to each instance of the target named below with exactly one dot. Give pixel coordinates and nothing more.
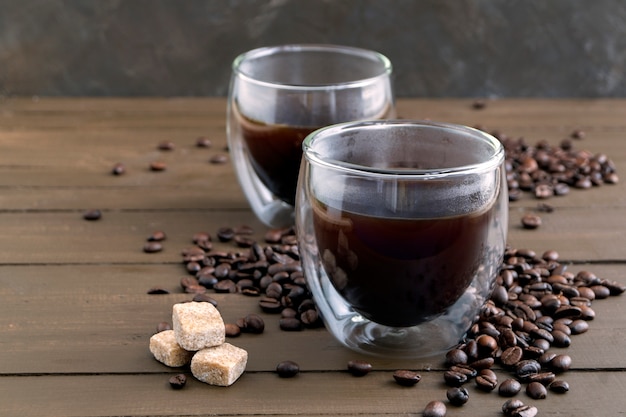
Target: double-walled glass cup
(278, 95)
(402, 228)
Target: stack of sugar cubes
(198, 338)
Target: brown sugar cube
(166, 350)
(220, 365)
(197, 325)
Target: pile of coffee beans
(271, 272)
(536, 305)
(546, 170)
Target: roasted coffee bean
(509, 387)
(287, 369)
(525, 411)
(560, 338)
(487, 345)
(561, 363)
(95, 214)
(253, 323)
(536, 391)
(543, 378)
(359, 368)
(310, 318)
(204, 298)
(219, 158)
(152, 247)
(511, 356)
(484, 363)
(435, 409)
(559, 386)
(158, 290)
(232, 330)
(203, 142)
(455, 357)
(406, 378)
(457, 396)
(531, 221)
(290, 324)
(157, 236)
(270, 305)
(178, 381)
(615, 288)
(533, 352)
(544, 360)
(166, 145)
(207, 281)
(454, 378)
(464, 369)
(511, 405)
(118, 169)
(225, 286)
(579, 326)
(527, 367)
(487, 380)
(158, 166)
(225, 234)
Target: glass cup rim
(313, 157)
(312, 47)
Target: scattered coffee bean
(487, 381)
(157, 290)
(559, 386)
(457, 396)
(455, 357)
(359, 368)
(531, 221)
(219, 159)
(157, 236)
(287, 369)
(225, 234)
(204, 298)
(406, 378)
(561, 363)
(178, 381)
(203, 142)
(158, 166)
(290, 324)
(536, 391)
(435, 409)
(118, 169)
(511, 405)
(525, 411)
(509, 387)
(166, 145)
(93, 214)
(454, 378)
(479, 104)
(253, 323)
(232, 330)
(152, 247)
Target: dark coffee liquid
(275, 153)
(397, 271)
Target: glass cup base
(424, 340)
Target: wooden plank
(99, 318)
(309, 394)
(65, 237)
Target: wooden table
(75, 316)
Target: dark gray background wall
(458, 48)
